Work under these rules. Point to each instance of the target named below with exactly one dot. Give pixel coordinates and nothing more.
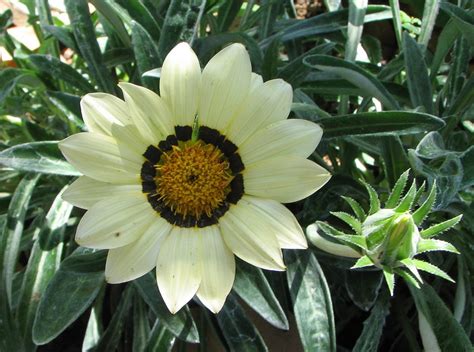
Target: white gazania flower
(162, 190)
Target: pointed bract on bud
(402, 239)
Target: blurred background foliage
(390, 83)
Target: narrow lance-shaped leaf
(379, 124)
(420, 214)
(311, 301)
(389, 279)
(358, 241)
(355, 224)
(13, 230)
(161, 339)
(84, 33)
(428, 245)
(356, 208)
(180, 324)
(439, 228)
(355, 75)
(238, 330)
(373, 199)
(252, 286)
(419, 84)
(432, 269)
(42, 157)
(407, 200)
(449, 333)
(70, 292)
(363, 262)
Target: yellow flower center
(193, 178)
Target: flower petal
(101, 110)
(250, 238)
(102, 158)
(287, 137)
(149, 112)
(178, 271)
(85, 191)
(256, 81)
(180, 83)
(284, 224)
(224, 86)
(285, 179)
(268, 103)
(136, 259)
(130, 137)
(115, 222)
(217, 269)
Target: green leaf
(42, 264)
(271, 9)
(397, 24)
(409, 279)
(435, 230)
(363, 287)
(42, 157)
(449, 333)
(369, 339)
(428, 245)
(353, 74)
(395, 158)
(373, 199)
(252, 286)
(420, 214)
(174, 25)
(180, 324)
(84, 33)
(63, 35)
(70, 292)
(146, 54)
(463, 20)
(238, 330)
(13, 231)
(161, 339)
(111, 337)
(52, 231)
(419, 84)
(11, 78)
(270, 60)
(430, 12)
(311, 301)
(446, 40)
(294, 72)
(325, 23)
(61, 71)
(379, 124)
(432, 269)
(359, 241)
(407, 201)
(110, 13)
(350, 220)
(410, 264)
(356, 208)
(363, 262)
(227, 13)
(389, 279)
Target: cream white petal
(149, 112)
(180, 83)
(178, 271)
(102, 158)
(115, 222)
(217, 269)
(129, 136)
(270, 102)
(225, 84)
(139, 257)
(285, 179)
(249, 238)
(101, 110)
(85, 191)
(287, 137)
(287, 229)
(255, 82)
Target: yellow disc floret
(193, 178)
